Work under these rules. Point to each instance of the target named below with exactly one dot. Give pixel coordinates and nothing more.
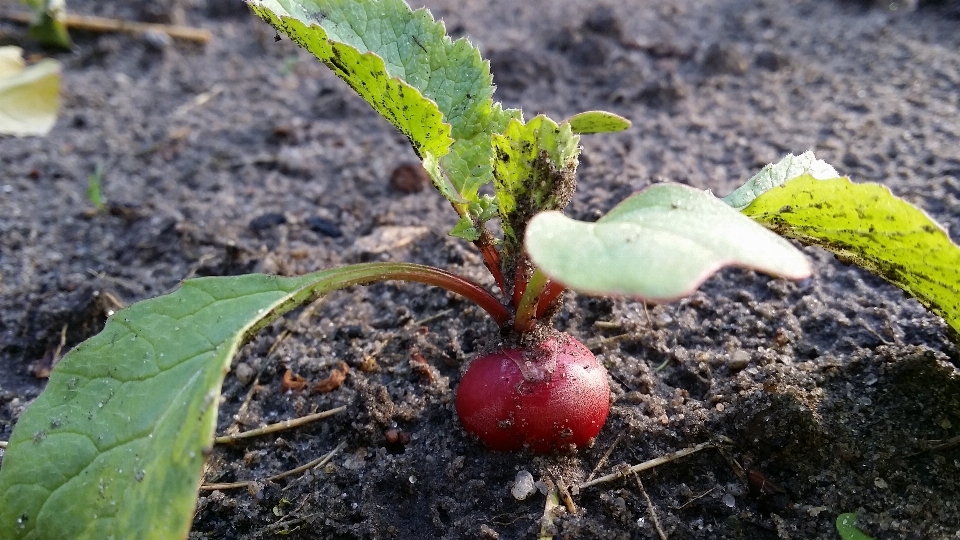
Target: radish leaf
(115, 444)
(597, 122)
(866, 225)
(775, 174)
(29, 96)
(657, 245)
(434, 90)
(535, 169)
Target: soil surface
(248, 155)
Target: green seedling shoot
(95, 188)
(128, 416)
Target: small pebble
(244, 372)
(739, 360)
(725, 59)
(324, 227)
(156, 39)
(389, 238)
(409, 178)
(267, 221)
(523, 486)
(603, 20)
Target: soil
(248, 155)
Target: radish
(551, 396)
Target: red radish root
(551, 396)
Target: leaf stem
(491, 259)
(527, 309)
(363, 274)
(551, 292)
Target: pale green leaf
(115, 444)
(435, 90)
(29, 99)
(658, 245)
(597, 122)
(775, 174)
(11, 61)
(866, 225)
(535, 166)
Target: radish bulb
(551, 396)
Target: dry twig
(89, 23)
(648, 464)
(651, 509)
(279, 426)
(319, 462)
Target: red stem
(375, 272)
(491, 259)
(551, 292)
(527, 308)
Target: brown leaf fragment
(292, 381)
(334, 380)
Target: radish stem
(527, 309)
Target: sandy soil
(248, 155)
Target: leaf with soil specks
(866, 225)
(658, 245)
(29, 97)
(435, 90)
(114, 446)
(534, 169)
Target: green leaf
(465, 229)
(773, 175)
(115, 444)
(535, 169)
(658, 245)
(597, 122)
(47, 26)
(435, 90)
(29, 97)
(866, 225)
(847, 528)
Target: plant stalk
(551, 292)
(364, 274)
(527, 309)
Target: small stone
(488, 534)
(725, 59)
(603, 20)
(389, 238)
(739, 360)
(294, 160)
(244, 373)
(880, 483)
(267, 221)
(523, 486)
(541, 487)
(729, 500)
(324, 227)
(156, 39)
(409, 178)
(770, 61)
